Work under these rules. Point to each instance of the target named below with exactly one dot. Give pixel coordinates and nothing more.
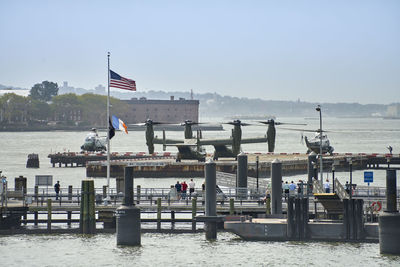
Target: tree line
(44, 107)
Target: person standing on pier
(57, 189)
(191, 188)
(184, 189)
(178, 187)
(327, 186)
(292, 189)
(286, 189)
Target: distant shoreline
(216, 127)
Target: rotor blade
(305, 130)
(288, 123)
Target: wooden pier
(292, 164)
(71, 159)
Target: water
(183, 250)
(351, 135)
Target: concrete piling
(128, 216)
(389, 221)
(210, 226)
(87, 220)
(276, 180)
(241, 176)
(391, 188)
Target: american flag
(120, 82)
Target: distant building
(393, 110)
(168, 111)
(66, 89)
(100, 90)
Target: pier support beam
(241, 176)
(128, 216)
(87, 220)
(389, 221)
(276, 180)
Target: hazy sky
(320, 51)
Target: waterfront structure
(168, 111)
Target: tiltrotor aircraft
(93, 142)
(192, 147)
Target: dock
(80, 159)
(295, 163)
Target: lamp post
(318, 108)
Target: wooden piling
(138, 194)
(159, 213)
(268, 206)
(70, 192)
(49, 214)
(172, 219)
(69, 217)
(194, 213)
(87, 222)
(36, 217)
(36, 193)
(104, 191)
(231, 206)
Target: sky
(315, 51)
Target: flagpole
(108, 131)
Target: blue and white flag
(119, 124)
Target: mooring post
(87, 220)
(128, 216)
(276, 181)
(159, 214)
(231, 206)
(49, 214)
(311, 161)
(211, 197)
(194, 213)
(389, 221)
(241, 176)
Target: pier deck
(295, 163)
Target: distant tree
(44, 91)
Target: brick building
(169, 111)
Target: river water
(370, 135)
